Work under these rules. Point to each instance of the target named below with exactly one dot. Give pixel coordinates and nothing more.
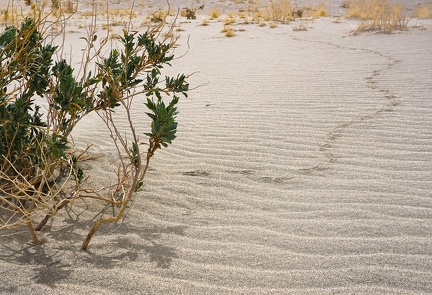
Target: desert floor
(303, 165)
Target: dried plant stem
(31, 229)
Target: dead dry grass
(215, 13)
(228, 31)
(12, 12)
(378, 15)
(423, 11)
(278, 11)
(321, 10)
(317, 10)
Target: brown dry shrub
(423, 11)
(279, 11)
(378, 15)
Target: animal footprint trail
(325, 146)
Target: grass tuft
(158, 17)
(279, 11)
(321, 11)
(378, 15)
(423, 11)
(215, 13)
(229, 32)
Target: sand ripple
(302, 167)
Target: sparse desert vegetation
(215, 13)
(378, 15)
(228, 31)
(423, 11)
(301, 161)
(279, 11)
(230, 19)
(372, 15)
(320, 10)
(158, 16)
(40, 168)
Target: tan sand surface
(303, 165)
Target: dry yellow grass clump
(158, 16)
(318, 10)
(378, 15)
(121, 13)
(60, 7)
(88, 13)
(321, 11)
(230, 19)
(115, 23)
(272, 25)
(10, 17)
(257, 16)
(215, 13)
(279, 11)
(229, 32)
(423, 11)
(13, 13)
(242, 15)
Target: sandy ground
(303, 165)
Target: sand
(303, 165)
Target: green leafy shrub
(37, 154)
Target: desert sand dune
(303, 165)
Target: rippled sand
(303, 165)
